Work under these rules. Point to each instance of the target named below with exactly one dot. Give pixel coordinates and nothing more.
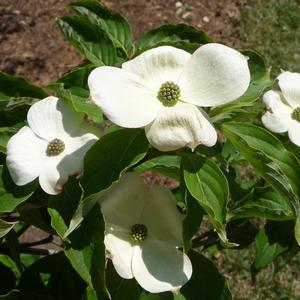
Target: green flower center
(296, 114)
(139, 232)
(169, 93)
(55, 147)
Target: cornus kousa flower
(161, 89)
(283, 108)
(143, 233)
(51, 147)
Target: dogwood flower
(51, 147)
(283, 108)
(161, 89)
(143, 230)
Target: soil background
(32, 46)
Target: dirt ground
(32, 46)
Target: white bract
(283, 108)
(161, 89)
(51, 147)
(143, 231)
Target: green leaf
(52, 275)
(268, 157)
(12, 195)
(12, 86)
(168, 165)
(160, 296)
(5, 134)
(90, 40)
(120, 288)
(168, 161)
(16, 96)
(37, 217)
(179, 35)
(79, 99)
(90, 294)
(104, 164)
(13, 245)
(77, 77)
(62, 207)
(260, 80)
(8, 262)
(8, 279)
(114, 24)
(110, 157)
(6, 227)
(271, 241)
(87, 251)
(263, 202)
(191, 222)
(17, 295)
(207, 183)
(206, 282)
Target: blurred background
(31, 46)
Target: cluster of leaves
(250, 174)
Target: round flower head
(51, 147)
(161, 89)
(143, 234)
(283, 108)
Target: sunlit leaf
(114, 24)
(179, 35)
(207, 183)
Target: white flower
(143, 230)
(283, 108)
(161, 89)
(51, 147)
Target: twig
(46, 240)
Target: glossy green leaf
(61, 207)
(77, 77)
(13, 247)
(6, 227)
(110, 157)
(268, 157)
(120, 288)
(263, 202)
(5, 134)
(104, 164)
(52, 275)
(17, 295)
(37, 217)
(12, 86)
(192, 220)
(87, 251)
(90, 294)
(260, 80)
(9, 262)
(207, 183)
(168, 161)
(271, 241)
(206, 282)
(160, 296)
(85, 248)
(114, 24)
(16, 96)
(12, 195)
(8, 279)
(177, 35)
(167, 165)
(79, 99)
(89, 39)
